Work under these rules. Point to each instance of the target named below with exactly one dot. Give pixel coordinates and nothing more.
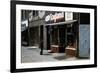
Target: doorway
(63, 39)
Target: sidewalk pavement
(31, 54)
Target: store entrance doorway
(56, 38)
(63, 38)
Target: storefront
(62, 34)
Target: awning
(61, 23)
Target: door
(84, 40)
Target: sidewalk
(29, 54)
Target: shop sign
(54, 17)
(24, 25)
(68, 16)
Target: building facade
(56, 32)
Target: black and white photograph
(54, 36)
